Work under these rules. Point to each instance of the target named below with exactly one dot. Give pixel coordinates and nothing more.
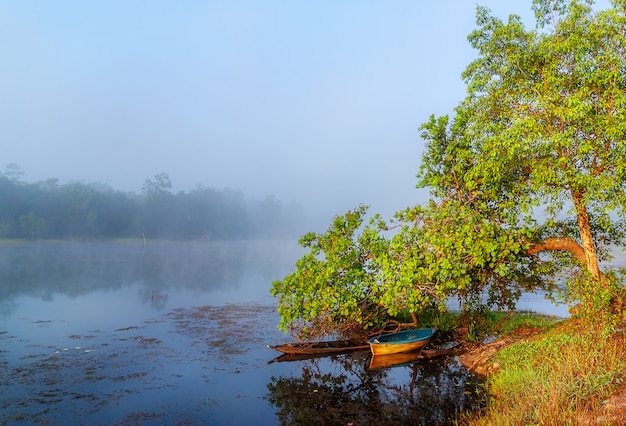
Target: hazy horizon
(314, 103)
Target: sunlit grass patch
(498, 323)
(561, 378)
(526, 322)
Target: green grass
(481, 325)
(559, 378)
(445, 321)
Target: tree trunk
(586, 253)
(591, 257)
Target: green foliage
(600, 304)
(443, 320)
(526, 322)
(541, 129)
(527, 182)
(351, 282)
(334, 286)
(474, 332)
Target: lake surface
(176, 333)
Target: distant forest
(48, 210)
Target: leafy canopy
(527, 183)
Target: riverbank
(565, 375)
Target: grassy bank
(562, 376)
(559, 373)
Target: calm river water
(176, 333)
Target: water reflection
(122, 333)
(420, 392)
(48, 269)
(209, 365)
(395, 360)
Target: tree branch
(400, 325)
(559, 243)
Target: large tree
(536, 153)
(546, 117)
(527, 180)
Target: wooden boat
(402, 341)
(406, 358)
(319, 348)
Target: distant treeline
(48, 210)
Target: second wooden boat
(319, 348)
(402, 341)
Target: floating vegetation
(112, 374)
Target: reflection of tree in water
(45, 269)
(426, 393)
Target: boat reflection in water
(394, 360)
(406, 358)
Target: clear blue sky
(315, 102)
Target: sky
(317, 103)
